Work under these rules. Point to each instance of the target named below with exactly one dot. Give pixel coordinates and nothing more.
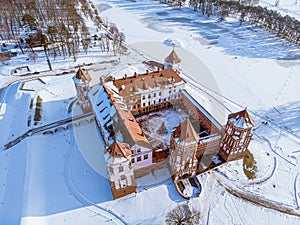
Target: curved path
(260, 180)
(255, 199)
(295, 137)
(265, 178)
(215, 95)
(86, 203)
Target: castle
(127, 149)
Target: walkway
(255, 199)
(46, 127)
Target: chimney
(158, 69)
(147, 71)
(135, 74)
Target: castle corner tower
(119, 169)
(237, 136)
(82, 81)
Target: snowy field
(284, 7)
(59, 179)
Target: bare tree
(182, 215)
(101, 42)
(107, 43)
(85, 37)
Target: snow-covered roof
(241, 119)
(118, 152)
(117, 122)
(130, 85)
(202, 110)
(111, 160)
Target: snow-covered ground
(59, 179)
(284, 7)
(152, 123)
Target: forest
(248, 11)
(60, 26)
(62, 31)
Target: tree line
(62, 22)
(248, 11)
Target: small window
(145, 157)
(139, 150)
(149, 103)
(160, 93)
(139, 158)
(154, 102)
(174, 90)
(144, 104)
(121, 169)
(111, 170)
(132, 160)
(170, 92)
(123, 177)
(154, 95)
(149, 96)
(143, 97)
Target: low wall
(147, 169)
(208, 147)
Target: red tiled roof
(130, 129)
(119, 150)
(130, 85)
(82, 74)
(186, 132)
(173, 58)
